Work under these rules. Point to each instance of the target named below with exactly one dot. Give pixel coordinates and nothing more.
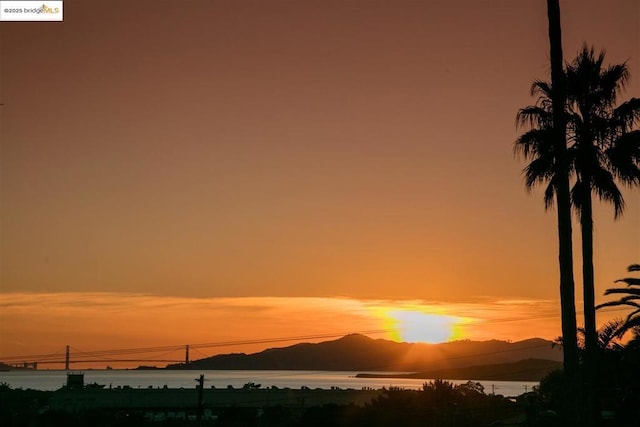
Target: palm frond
(627, 114)
(534, 142)
(604, 186)
(633, 322)
(609, 304)
(613, 80)
(549, 194)
(577, 195)
(630, 281)
(608, 333)
(631, 318)
(631, 300)
(623, 158)
(541, 89)
(539, 171)
(632, 291)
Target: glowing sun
(419, 326)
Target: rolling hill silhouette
(360, 353)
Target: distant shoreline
(525, 370)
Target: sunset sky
(178, 172)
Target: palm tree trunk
(590, 331)
(586, 227)
(565, 256)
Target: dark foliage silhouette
(630, 298)
(616, 377)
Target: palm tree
(631, 299)
(603, 149)
(539, 147)
(561, 178)
(609, 337)
(624, 372)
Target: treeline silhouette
(438, 403)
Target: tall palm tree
(558, 130)
(596, 126)
(539, 146)
(603, 148)
(631, 299)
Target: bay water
(55, 379)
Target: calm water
(53, 380)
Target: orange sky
(98, 321)
(105, 321)
(353, 150)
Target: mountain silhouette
(360, 353)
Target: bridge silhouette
(71, 355)
(75, 356)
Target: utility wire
(55, 357)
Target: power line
(104, 354)
(370, 368)
(146, 350)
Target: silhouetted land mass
(360, 353)
(523, 370)
(5, 367)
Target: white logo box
(30, 11)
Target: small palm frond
(603, 129)
(630, 281)
(613, 81)
(623, 158)
(634, 343)
(577, 195)
(549, 193)
(535, 141)
(608, 336)
(632, 291)
(610, 304)
(539, 171)
(627, 114)
(622, 302)
(633, 324)
(541, 89)
(534, 116)
(609, 333)
(604, 186)
(630, 299)
(632, 319)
